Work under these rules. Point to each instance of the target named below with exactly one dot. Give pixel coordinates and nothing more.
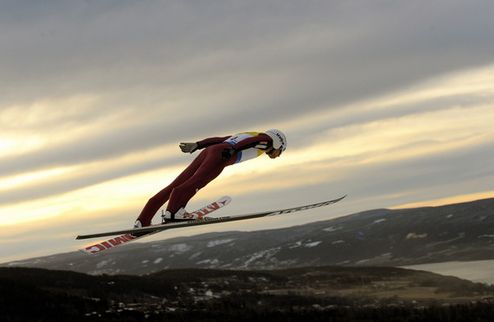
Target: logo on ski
(110, 243)
(129, 236)
(199, 214)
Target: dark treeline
(69, 310)
(214, 295)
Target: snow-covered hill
(459, 232)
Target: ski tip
(340, 198)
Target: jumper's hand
(188, 147)
(228, 153)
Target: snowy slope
(460, 232)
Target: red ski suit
(204, 169)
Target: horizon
(307, 223)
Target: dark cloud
(271, 62)
(307, 55)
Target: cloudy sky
(390, 102)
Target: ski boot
(180, 216)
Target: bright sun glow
(448, 200)
(5, 145)
(31, 178)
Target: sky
(390, 102)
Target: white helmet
(279, 139)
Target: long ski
(211, 220)
(134, 234)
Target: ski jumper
(205, 168)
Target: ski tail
(206, 210)
(129, 237)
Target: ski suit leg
(158, 200)
(211, 167)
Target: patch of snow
(253, 279)
(219, 242)
(102, 263)
(297, 244)
(313, 244)
(449, 216)
(18, 263)
(378, 221)
(416, 236)
(195, 255)
(268, 253)
(145, 261)
(487, 236)
(332, 228)
(158, 260)
(209, 261)
(338, 242)
(180, 248)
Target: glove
(228, 153)
(188, 147)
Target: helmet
(279, 139)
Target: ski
(134, 234)
(211, 220)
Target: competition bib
(246, 154)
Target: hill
(382, 237)
(334, 293)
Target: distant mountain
(382, 237)
(314, 293)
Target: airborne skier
(218, 153)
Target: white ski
(134, 234)
(210, 220)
